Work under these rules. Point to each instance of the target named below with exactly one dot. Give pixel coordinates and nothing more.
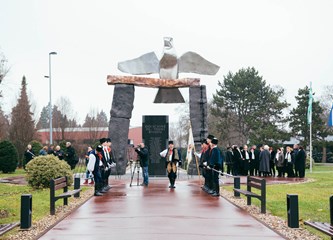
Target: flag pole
(311, 147)
(196, 158)
(196, 162)
(310, 122)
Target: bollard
(331, 210)
(26, 211)
(237, 186)
(77, 186)
(292, 210)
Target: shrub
(8, 157)
(42, 169)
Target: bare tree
(63, 118)
(94, 121)
(179, 130)
(3, 69)
(4, 125)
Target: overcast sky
(290, 43)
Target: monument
(168, 68)
(155, 132)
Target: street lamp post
(50, 100)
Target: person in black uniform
(207, 163)
(229, 161)
(215, 163)
(105, 173)
(203, 158)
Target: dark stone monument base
(198, 116)
(121, 112)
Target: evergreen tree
(299, 122)
(22, 128)
(8, 157)
(44, 119)
(248, 105)
(102, 119)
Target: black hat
(99, 148)
(211, 137)
(170, 142)
(215, 141)
(108, 139)
(203, 141)
(102, 140)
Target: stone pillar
(121, 113)
(198, 117)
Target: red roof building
(85, 135)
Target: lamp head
(53, 53)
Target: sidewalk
(158, 212)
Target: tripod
(137, 168)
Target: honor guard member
(203, 158)
(216, 164)
(95, 167)
(105, 169)
(209, 186)
(172, 159)
(111, 161)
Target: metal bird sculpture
(168, 67)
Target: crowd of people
(261, 160)
(266, 161)
(69, 155)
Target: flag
(190, 147)
(330, 119)
(310, 105)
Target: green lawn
(313, 197)
(10, 200)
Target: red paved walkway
(158, 212)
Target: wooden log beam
(153, 82)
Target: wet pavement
(157, 212)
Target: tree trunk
(324, 159)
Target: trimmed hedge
(42, 169)
(8, 157)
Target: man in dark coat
(143, 153)
(237, 160)
(70, 156)
(300, 159)
(229, 161)
(246, 157)
(215, 163)
(28, 155)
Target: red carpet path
(158, 213)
